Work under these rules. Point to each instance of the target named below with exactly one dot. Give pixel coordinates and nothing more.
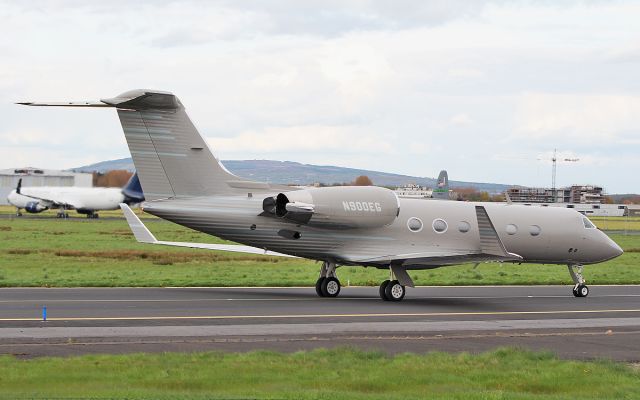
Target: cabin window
(534, 230)
(588, 224)
(511, 229)
(439, 225)
(464, 226)
(414, 224)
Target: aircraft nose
(610, 248)
(615, 249)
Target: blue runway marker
(44, 313)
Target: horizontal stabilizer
(65, 104)
(143, 235)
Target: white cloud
(578, 117)
(461, 119)
(310, 138)
(414, 84)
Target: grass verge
(320, 374)
(78, 252)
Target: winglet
(490, 242)
(19, 187)
(140, 231)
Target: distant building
(40, 177)
(586, 199)
(577, 194)
(633, 210)
(414, 191)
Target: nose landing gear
(580, 289)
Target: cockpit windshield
(588, 224)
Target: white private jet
(86, 201)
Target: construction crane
(554, 160)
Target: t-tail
(441, 190)
(172, 159)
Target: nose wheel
(580, 289)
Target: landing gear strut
(579, 288)
(328, 284)
(62, 214)
(18, 213)
(391, 289)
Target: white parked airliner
(84, 200)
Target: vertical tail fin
(132, 191)
(170, 156)
(442, 189)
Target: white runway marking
(294, 299)
(335, 328)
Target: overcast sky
(486, 90)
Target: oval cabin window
(511, 229)
(439, 225)
(464, 226)
(414, 224)
(534, 230)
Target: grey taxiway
(116, 320)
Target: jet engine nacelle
(341, 207)
(34, 207)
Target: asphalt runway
(116, 320)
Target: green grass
(617, 223)
(319, 374)
(52, 252)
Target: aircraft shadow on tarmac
(370, 299)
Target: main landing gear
(62, 214)
(392, 289)
(328, 284)
(579, 288)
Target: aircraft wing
(143, 235)
(47, 200)
(491, 249)
(438, 258)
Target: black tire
(394, 291)
(582, 290)
(575, 291)
(319, 286)
(383, 287)
(330, 287)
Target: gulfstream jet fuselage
(183, 182)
